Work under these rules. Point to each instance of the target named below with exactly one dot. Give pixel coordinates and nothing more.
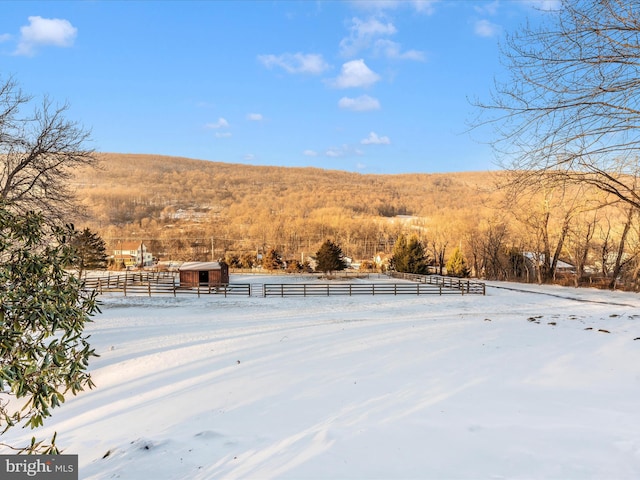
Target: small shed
(209, 274)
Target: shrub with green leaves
(44, 353)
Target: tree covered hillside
(184, 209)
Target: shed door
(203, 277)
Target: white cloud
(425, 6)
(390, 49)
(355, 74)
(342, 151)
(362, 34)
(221, 123)
(484, 28)
(546, 5)
(366, 35)
(249, 157)
(254, 117)
(374, 139)
(363, 103)
(223, 134)
(310, 153)
(5, 37)
(334, 153)
(377, 5)
(310, 63)
(420, 6)
(45, 31)
(490, 8)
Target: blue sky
(366, 86)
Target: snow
(520, 383)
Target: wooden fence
(166, 283)
(159, 283)
(463, 285)
(352, 289)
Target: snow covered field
(515, 384)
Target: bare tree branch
(38, 153)
(570, 110)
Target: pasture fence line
(353, 289)
(168, 283)
(466, 286)
(338, 274)
(159, 283)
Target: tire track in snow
(584, 300)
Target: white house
(132, 254)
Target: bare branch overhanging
(38, 153)
(571, 107)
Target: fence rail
(352, 289)
(152, 283)
(163, 283)
(470, 287)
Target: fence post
(440, 287)
(173, 281)
(149, 285)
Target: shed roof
(200, 266)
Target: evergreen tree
(232, 259)
(294, 266)
(417, 256)
(272, 260)
(247, 260)
(457, 265)
(91, 253)
(43, 311)
(400, 259)
(330, 258)
(409, 256)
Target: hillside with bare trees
(185, 209)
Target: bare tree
(38, 152)
(620, 260)
(616, 248)
(571, 107)
(580, 242)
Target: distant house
(193, 274)
(132, 254)
(537, 259)
(382, 260)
